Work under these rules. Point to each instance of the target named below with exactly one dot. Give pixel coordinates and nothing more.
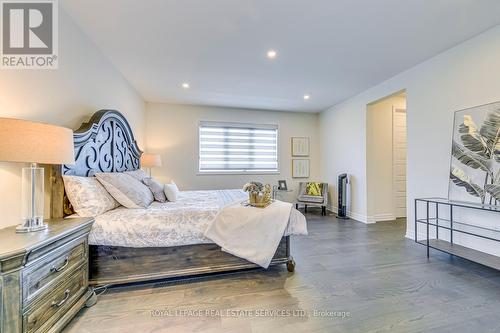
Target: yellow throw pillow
(315, 189)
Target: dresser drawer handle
(61, 302)
(55, 269)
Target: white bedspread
(169, 224)
(251, 233)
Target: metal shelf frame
(453, 226)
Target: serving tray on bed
(247, 203)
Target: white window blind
(230, 147)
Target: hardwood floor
(374, 279)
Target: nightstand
(278, 193)
(43, 276)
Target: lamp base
(31, 225)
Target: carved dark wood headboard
(103, 144)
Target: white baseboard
(350, 214)
(364, 218)
(410, 234)
(381, 217)
(358, 217)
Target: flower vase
(252, 197)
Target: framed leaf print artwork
(475, 155)
(300, 168)
(300, 146)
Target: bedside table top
(12, 243)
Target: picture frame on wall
(300, 168)
(300, 146)
(475, 156)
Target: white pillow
(87, 196)
(127, 190)
(138, 174)
(156, 188)
(171, 191)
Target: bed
(163, 241)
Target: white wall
(85, 82)
(464, 76)
(172, 131)
(379, 164)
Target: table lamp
(150, 160)
(30, 142)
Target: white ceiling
(330, 49)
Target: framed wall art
(300, 168)
(300, 146)
(475, 155)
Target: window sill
(237, 173)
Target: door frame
(394, 201)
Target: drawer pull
(55, 269)
(61, 302)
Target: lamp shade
(32, 142)
(150, 160)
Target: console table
(429, 213)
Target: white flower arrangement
(253, 187)
(259, 195)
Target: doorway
(386, 158)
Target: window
(237, 148)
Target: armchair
(312, 200)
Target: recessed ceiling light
(185, 85)
(271, 54)
(306, 97)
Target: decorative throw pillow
(314, 189)
(138, 174)
(87, 196)
(171, 191)
(156, 187)
(127, 190)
